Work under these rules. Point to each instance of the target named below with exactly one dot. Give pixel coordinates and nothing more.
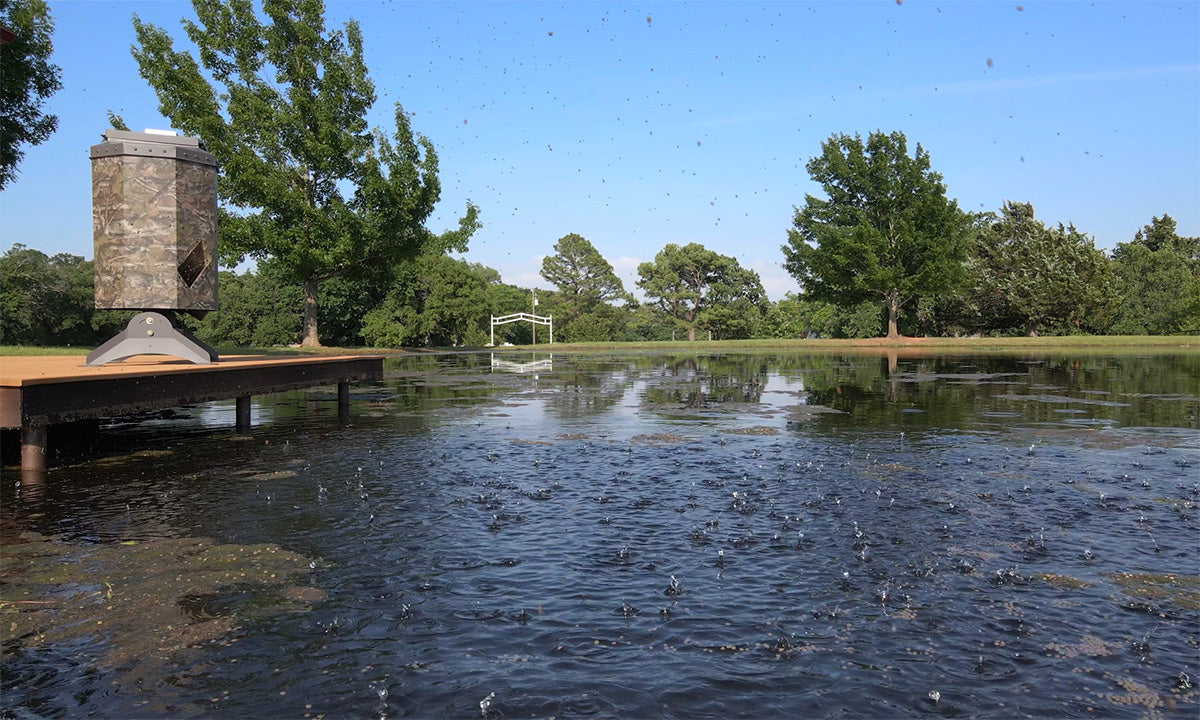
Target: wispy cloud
(986, 85)
(626, 268)
(775, 280)
(1058, 79)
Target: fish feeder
(154, 226)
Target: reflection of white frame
(522, 367)
(522, 317)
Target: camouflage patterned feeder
(154, 220)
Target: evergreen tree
(586, 284)
(701, 289)
(1035, 276)
(1158, 278)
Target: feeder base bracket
(152, 333)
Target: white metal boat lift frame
(522, 317)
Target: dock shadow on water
(727, 535)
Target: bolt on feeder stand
(154, 226)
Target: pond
(629, 535)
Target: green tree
(700, 288)
(344, 302)
(575, 321)
(1162, 234)
(439, 301)
(1037, 276)
(581, 273)
(585, 282)
(648, 323)
(258, 308)
(736, 303)
(1158, 278)
(45, 300)
(785, 319)
(798, 317)
(886, 232)
(27, 80)
(304, 181)
(857, 321)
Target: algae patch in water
(1181, 590)
(149, 600)
(661, 438)
(1061, 581)
(1088, 646)
(755, 430)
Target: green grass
(1088, 344)
(12, 350)
(1069, 342)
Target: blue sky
(637, 125)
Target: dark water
(630, 536)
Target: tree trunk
(691, 334)
(893, 308)
(310, 314)
(1031, 327)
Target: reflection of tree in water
(1143, 390)
(703, 382)
(584, 391)
(1129, 391)
(885, 391)
(424, 383)
(1132, 390)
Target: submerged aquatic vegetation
(151, 600)
(1183, 591)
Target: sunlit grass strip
(1081, 343)
(1098, 343)
(12, 350)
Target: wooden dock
(39, 391)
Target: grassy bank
(1086, 344)
(1097, 343)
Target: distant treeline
(1059, 285)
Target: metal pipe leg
(243, 415)
(344, 402)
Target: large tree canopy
(885, 232)
(27, 80)
(282, 105)
(1037, 275)
(703, 289)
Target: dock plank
(43, 390)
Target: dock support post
(33, 453)
(243, 415)
(344, 402)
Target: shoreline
(902, 345)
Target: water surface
(759, 535)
